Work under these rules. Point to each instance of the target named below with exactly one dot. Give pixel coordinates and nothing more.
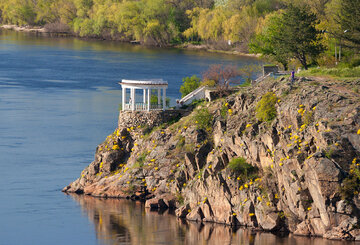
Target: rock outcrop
(305, 176)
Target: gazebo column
(164, 98)
(148, 99)
(159, 96)
(144, 96)
(132, 99)
(123, 98)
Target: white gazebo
(146, 86)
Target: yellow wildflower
(268, 203)
(238, 178)
(251, 214)
(314, 108)
(234, 214)
(115, 147)
(280, 164)
(309, 208)
(210, 166)
(259, 198)
(248, 125)
(184, 184)
(156, 168)
(143, 180)
(245, 200)
(246, 186)
(290, 126)
(358, 132)
(279, 100)
(271, 166)
(241, 188)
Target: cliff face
(306, 160)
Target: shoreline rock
(303, 161)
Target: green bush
(140, 160)
(309, 117)
(351, 184)
(241, 168)
(189, 85)
(203, 119)
(265, 109)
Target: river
(59, 99)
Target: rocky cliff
(274, 156)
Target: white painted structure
(146, 86)
(202, 92)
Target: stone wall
(129, 119)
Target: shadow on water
(119, 221)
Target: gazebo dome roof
(149, 82)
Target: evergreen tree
(290, 35)
(298, 35)
(349, 20)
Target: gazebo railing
(143, 107)
(156, 107)
(140, 107)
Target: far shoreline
(184, 46)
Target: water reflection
(126, 222)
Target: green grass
(337, 72)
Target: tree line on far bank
(286, 31)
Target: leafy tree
(349, 20)
(267, 42)
(291, 35)
(189, 85)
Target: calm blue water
(58, 100)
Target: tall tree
(267, 43)
(349, 20)
(299, 35)
(292, 35)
